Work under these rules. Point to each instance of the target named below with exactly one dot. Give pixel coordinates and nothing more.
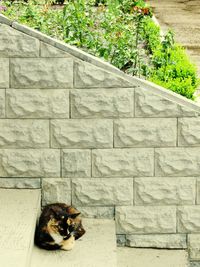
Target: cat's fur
(58, 227)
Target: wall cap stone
(5, 20)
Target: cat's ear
(73, 216)
(72, 212)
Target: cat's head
(72, 218)
(68, 217)
(69, 220)
(74, 222)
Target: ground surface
(97, 248)
(130, 257)
(18, 212)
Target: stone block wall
(91, 136)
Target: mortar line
(5, 103)
(40, 182)
(109, 117)
(89, 118)
(154, 171)
(114, 211)
(134, 103)
(187, 240)
(113, 128)
(177, 220)
(134, 191)
(177, 132)
(196, 191)
(41, 197)
(61, 172)
(49, 133)
(70, 106)
(91, 160)
(9, 75)
(40, 48)
(71, 191)
(73, 73)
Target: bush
(151, 34)
(172, 68)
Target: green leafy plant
(172, 68)
(151, 35)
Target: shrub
(172, 68)
(151, 34)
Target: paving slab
(181, 16)
(18, 213)
(96, 248)
(130, 257)
(194, 54)
(189, 4)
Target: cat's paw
(68, 244)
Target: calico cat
(58, 227)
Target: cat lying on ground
(58, 228)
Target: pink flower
(2, 8)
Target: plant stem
(138, 20)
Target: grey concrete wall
(112, 145)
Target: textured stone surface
(51, 51)
(29, 163)
(122, 162)
(194, 264)
(44, 103)
(177, 161)
(82, 133)
(56, 190)
(135, 257)
(41, 73)
(2, 103)
(102, 192)
(165, 191)
(4, 72)
(189, 132)
(24, 133)
(98, 103)
(20, 183)
(83, 120)
(157, 241)
(96, 248)
(97, 212)
(148, 104)
(188, 219)
(87, 75)
(18, 213)
(76, 163)
(145, 132)
(198, 190)
(194, 246)
(17, 44)
(121, 240)
(139, 220)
